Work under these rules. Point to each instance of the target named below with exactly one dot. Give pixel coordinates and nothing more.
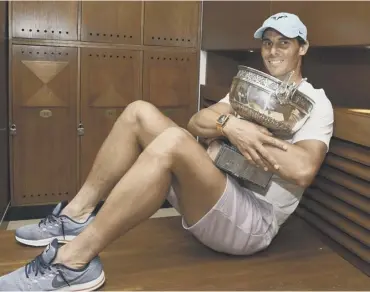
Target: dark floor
(160, 255)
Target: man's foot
(42, 275)
(54, 226)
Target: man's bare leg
(137, 126)
(174, 156)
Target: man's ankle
(70, 262)
(79, 215)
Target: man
(147, 158)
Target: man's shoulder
(318, 95)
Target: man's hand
(249, 138)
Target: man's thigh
(197, 182)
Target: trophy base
(230, 160)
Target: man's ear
(304, 48)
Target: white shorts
(239, 224)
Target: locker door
(170, 82)
(44, 140)
(110, 80)
(171, 23)
(45, 19)
(111, 21)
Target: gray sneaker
(54, 226)
(42, 275)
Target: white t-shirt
(285, 195)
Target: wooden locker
(171, 23)
(111, 21)
(4, 171)
(44, 135)
(3, 84)
(179, 115)
(110, 80)
(45, 19)
(170, 82)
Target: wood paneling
(346, 180)
(3, 20)
(348, 120)
(170, 78)
(45, 19)
(331, 23)
(4, 172)
(350, 151)
(342, 193)
(337, 206)
(356, 169)
(180, 115)
(170, 82)
(230, 25)
(341, 72)
(111, 21)
(338, 201)
(44, 112)
(4, 135)
(173, 23)
(110, 80)
(3, 84)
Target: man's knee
(171, 141)
(178, 138)
(139, 112)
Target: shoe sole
(89, 286)
(45, 242)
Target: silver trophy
(277, 105)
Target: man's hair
(301, 42)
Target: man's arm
(300, 162)
(203, 123)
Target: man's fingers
(265, 131)
(268, 157)
(248, 157)
(274, 142)
(257, 159)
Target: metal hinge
(80, 129)
(13, 130)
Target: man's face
(280, 54)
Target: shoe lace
(50, 219)
(38, 265)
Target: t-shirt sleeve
(319, 126)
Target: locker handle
(13, 130)
(80, 129)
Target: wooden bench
(160, 255)
(338, 201)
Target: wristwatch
(221, 122)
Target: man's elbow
(306, 176)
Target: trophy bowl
(265, 100)
(277, 105)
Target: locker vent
(38, 195)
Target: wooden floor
(160, 255)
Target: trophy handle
(286, 90)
